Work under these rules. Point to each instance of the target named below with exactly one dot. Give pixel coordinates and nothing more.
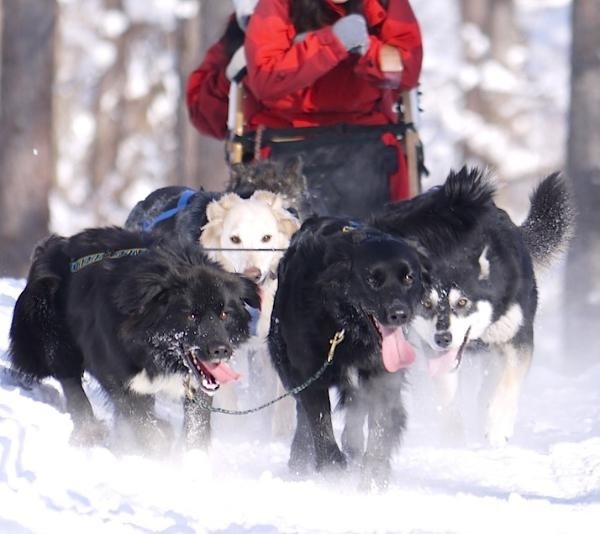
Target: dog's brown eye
(408, 279)
(223, 315)
(462, 302)
(266, 238)
(427, 304)
(192, 316)
(235, 239)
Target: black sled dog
(484, 294)
(337, 276)
(139, 316)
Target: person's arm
(207, 93)
(396, 52)
(276, 64)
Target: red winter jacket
(312, 82)
(316, 81)
(207, 92)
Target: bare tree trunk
(490, 35)
(582, 314)
(116, 111)
(201, 160)
(26, 146)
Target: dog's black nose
(443, 339)
(219, 351)
(397, 314)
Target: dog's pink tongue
(396, 351)
(442, 364)
(221, 372)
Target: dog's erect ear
(215, 214)
(484, 264)
(288, 224)
(217, 208)
(214, 211)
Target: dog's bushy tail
(551, 220)
(37, 322)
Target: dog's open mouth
(449, 361)
(396, 352)
(209, 374)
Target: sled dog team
(194, 278)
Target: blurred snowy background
(121, 127)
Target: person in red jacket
(208, 86)
(323, 81)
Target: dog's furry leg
(386, 422)
(147, 432)
(314, 434)
(282, 424)
(87, 430)
(446, 386)
(502, 410)
(196, 422)
(302, 447)
(353, 436)
(318, 415)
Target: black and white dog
(483, 294)
(336, 276)
(140, 317)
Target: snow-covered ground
(547, 480)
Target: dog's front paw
(331, 460)
(499, 430)
(497, 437)
(352, 445)
(500, 422)
(89, 434)
(375, 476)
(153, 436)
(299, 463)
(198, 438)
(452, 430)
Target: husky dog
(483, 294)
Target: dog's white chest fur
(171, 384)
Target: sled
(241, 143)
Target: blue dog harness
(184, 198)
